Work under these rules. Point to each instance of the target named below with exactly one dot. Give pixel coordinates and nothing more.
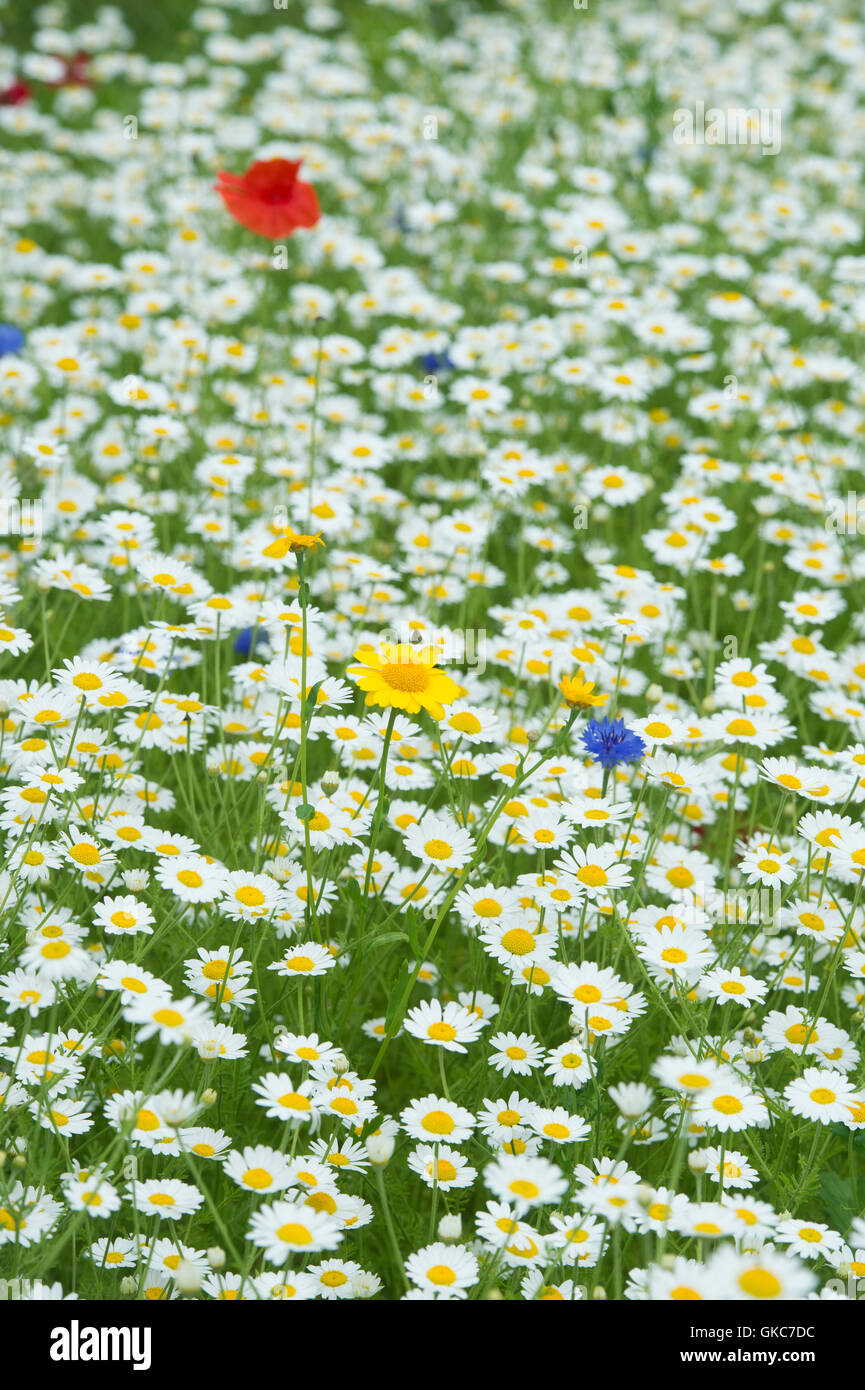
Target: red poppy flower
(15, 94)
(269, 198)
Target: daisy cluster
(432, 699)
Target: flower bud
(330, 782)
(128, 1287)
(698, 1162)
(380, 1149)
(450, 1227)
(216, 1257)
(209, 1097)
(187, 1278)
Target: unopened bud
(330, 783)
(653, 694)
(698, 1162)
(216, 1257)
(128, 1287)
(494, 1296)
(209, 1097)
(709, 705)
(380, 1149)
(600, 1294)
(19, 1161)
(450, 1227)
(644, 1195)
(187, 1277)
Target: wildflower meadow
(432, 652)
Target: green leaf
(412, 924)
(352, 892)
(396, 994)
(386, 938)
(837, 1193)
(310, 701)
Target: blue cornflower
(437, 362)
(250, 640)
(609, 742)
(11, 339)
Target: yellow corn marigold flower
(404, 676)
(291, 541)
(578, 692)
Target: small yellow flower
(290, 540)
(578, 692)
